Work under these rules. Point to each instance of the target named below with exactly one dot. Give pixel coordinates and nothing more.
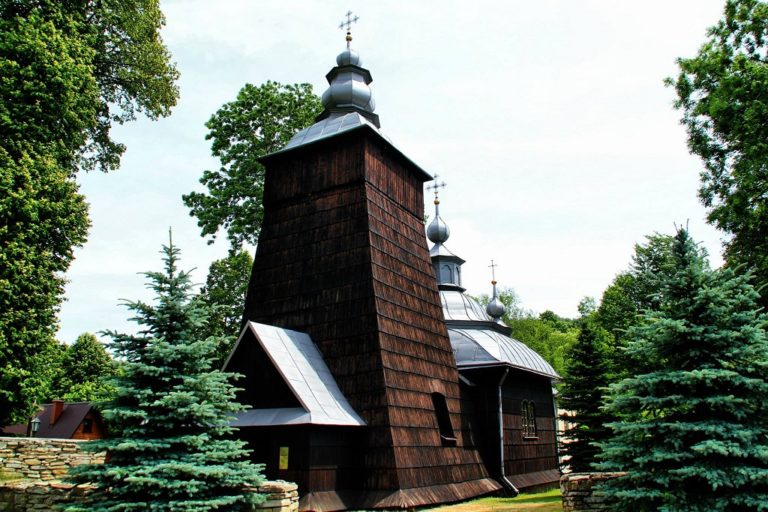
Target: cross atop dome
(348, 25)
(495, 307)
(436, 186)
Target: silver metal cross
(493, 266)
(436, 186)
(350, 20)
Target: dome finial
(436, 186)
(495, 307)
(437, 231)
(347, 25)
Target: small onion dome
(495, 308)
(349, 57)
(349, 85)
(438, 231)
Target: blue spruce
(170, 446)
(692, 429)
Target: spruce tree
(693, 429)
(170, 446)
(582, 397)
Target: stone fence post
(578, 491)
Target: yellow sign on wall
(283, 460)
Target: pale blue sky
(548, 120)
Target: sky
(549, 122)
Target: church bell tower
(342, 257)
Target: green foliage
(633, 292)
(581, 395)
(42, 217)
(723, 95)
(224, 294)
(549, 335)
(260, 121)
(124, 66)
(86, 370)
(693, 429)
(63, 66)
(171, 447)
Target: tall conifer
(693, 429)
(170, 447)
(582, 397)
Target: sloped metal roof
(301, 365)
(478, 340)
(485, 347)
(329, 127)
(457, 306)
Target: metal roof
(301, 365)
(486, 347)
(478, 340)
(329, 127)
(457, 306)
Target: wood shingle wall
(342, 256)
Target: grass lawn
(547, 501)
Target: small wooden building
(63, 420)
(350, 374)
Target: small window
(446, 274)
(447, 437)
(528, 413)
(282, 463)
(87, 426)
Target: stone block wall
(578, 490)
(39, 465)
(28, 496)
(42, 459)
(281, 497)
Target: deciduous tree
(260, 121)
(68, 70)
(722, 94)
(224, 294)
(86, 370)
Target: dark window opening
(447, 437)
(87, 426)
(528, 413)
(446, 274)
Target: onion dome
(446, 264)
(495, 308)
(349, 57)
(438, 231)
(348, 89)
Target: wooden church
(371, 379)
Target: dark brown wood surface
(342, 256)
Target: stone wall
(39, 465)
(42, 459)
(579, 493)
(27, 496)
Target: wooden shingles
(342, 256)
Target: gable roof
(67, 423)
(301, 366)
